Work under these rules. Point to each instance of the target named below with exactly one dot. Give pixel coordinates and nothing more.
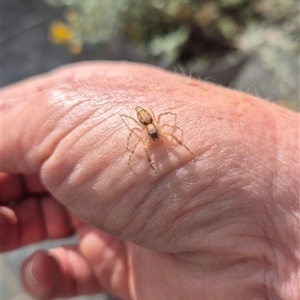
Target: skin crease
(222, 223)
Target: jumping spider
(153, 130)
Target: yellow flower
(60, 33)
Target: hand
(221, 223)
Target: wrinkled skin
(222, 223)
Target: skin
(222, 223)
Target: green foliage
(185, 30)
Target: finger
(108, 256)
(33, 184)
(11, 187)
(61, 272)
(33, 220)
(99, 265)
(14, 187)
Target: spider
(146, 122)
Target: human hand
(222, 223)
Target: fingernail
(30, 274)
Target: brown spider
(145, 122)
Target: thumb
(66, 126)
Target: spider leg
(177, 140)
(131, 129)
(174, 126)
(130, 135)
(133, 149)
(166, 113)
(146, 144)
(122, 115)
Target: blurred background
(248, 45)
